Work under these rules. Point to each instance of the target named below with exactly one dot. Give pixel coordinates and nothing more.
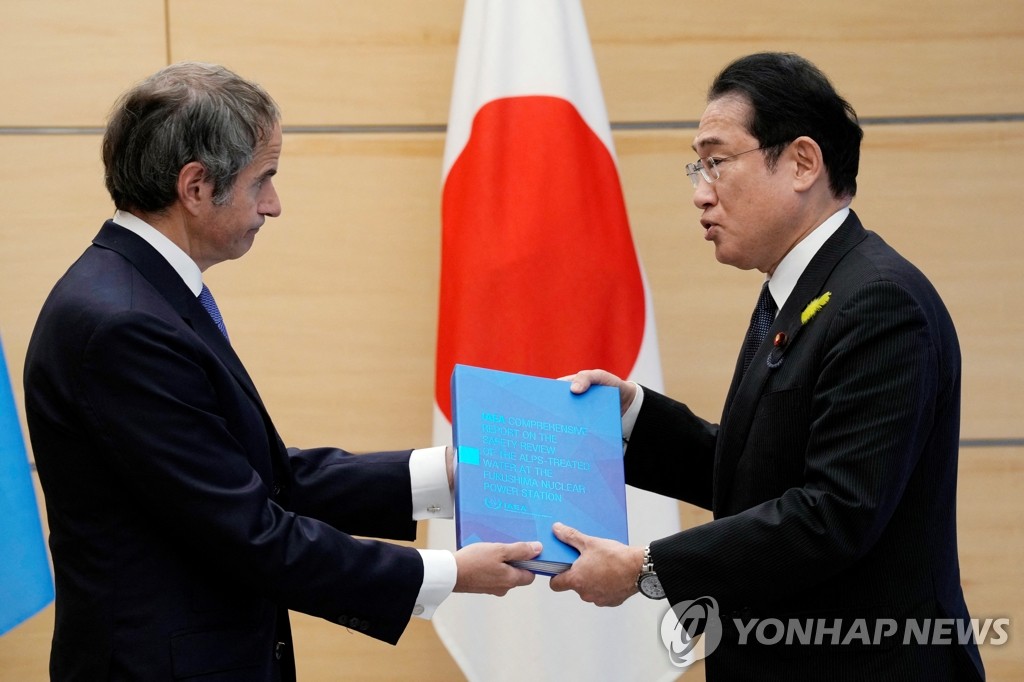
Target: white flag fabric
(540, 276)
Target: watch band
(648, 565)
(647, 582)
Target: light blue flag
(26, 584)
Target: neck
(810, 220)
(171, 223)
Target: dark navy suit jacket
(832, 478)
(181, 528)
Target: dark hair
(790, 97)
(186, 112)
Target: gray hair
(183, 113)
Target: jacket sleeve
(202, 462)
(366, 494)
(671, 451)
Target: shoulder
(876, 267)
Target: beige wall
(334, 310)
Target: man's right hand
(586, 378)
(483, 568)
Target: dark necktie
(760, 322)
(206, 298)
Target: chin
(723, 256)
(732, 260)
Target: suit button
(342, 620)
(279, 650)
(277, 490)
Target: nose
(704, 194)
(270, 202)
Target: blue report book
(529, 452)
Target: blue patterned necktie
(206, 298)
(760, 322)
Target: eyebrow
(711, 141)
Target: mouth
(710, 229)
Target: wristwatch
(647, 582)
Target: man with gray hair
(182, 529)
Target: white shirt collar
(179, 260)
(783, 281)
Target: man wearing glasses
(832, 471)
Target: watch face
(651, 587)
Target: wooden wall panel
(55, 204)
(393, 61)
(947, 197)
(327, 653)
(388, 61)
(64, 61)
(990, 539)
(657, 57)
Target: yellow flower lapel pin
(783, 339)
(814, 306)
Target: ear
(809, 164)
(194, 187)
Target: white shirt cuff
(431, 496)
(630, 415)
(439, 574)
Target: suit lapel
(745, 391)
(166, 280)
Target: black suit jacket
(832, 478)
(181, 528)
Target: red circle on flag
(539, 272)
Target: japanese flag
(540, 276)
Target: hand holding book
(484, 567)
(584, 379)
(605, 572)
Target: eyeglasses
(708, 168)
